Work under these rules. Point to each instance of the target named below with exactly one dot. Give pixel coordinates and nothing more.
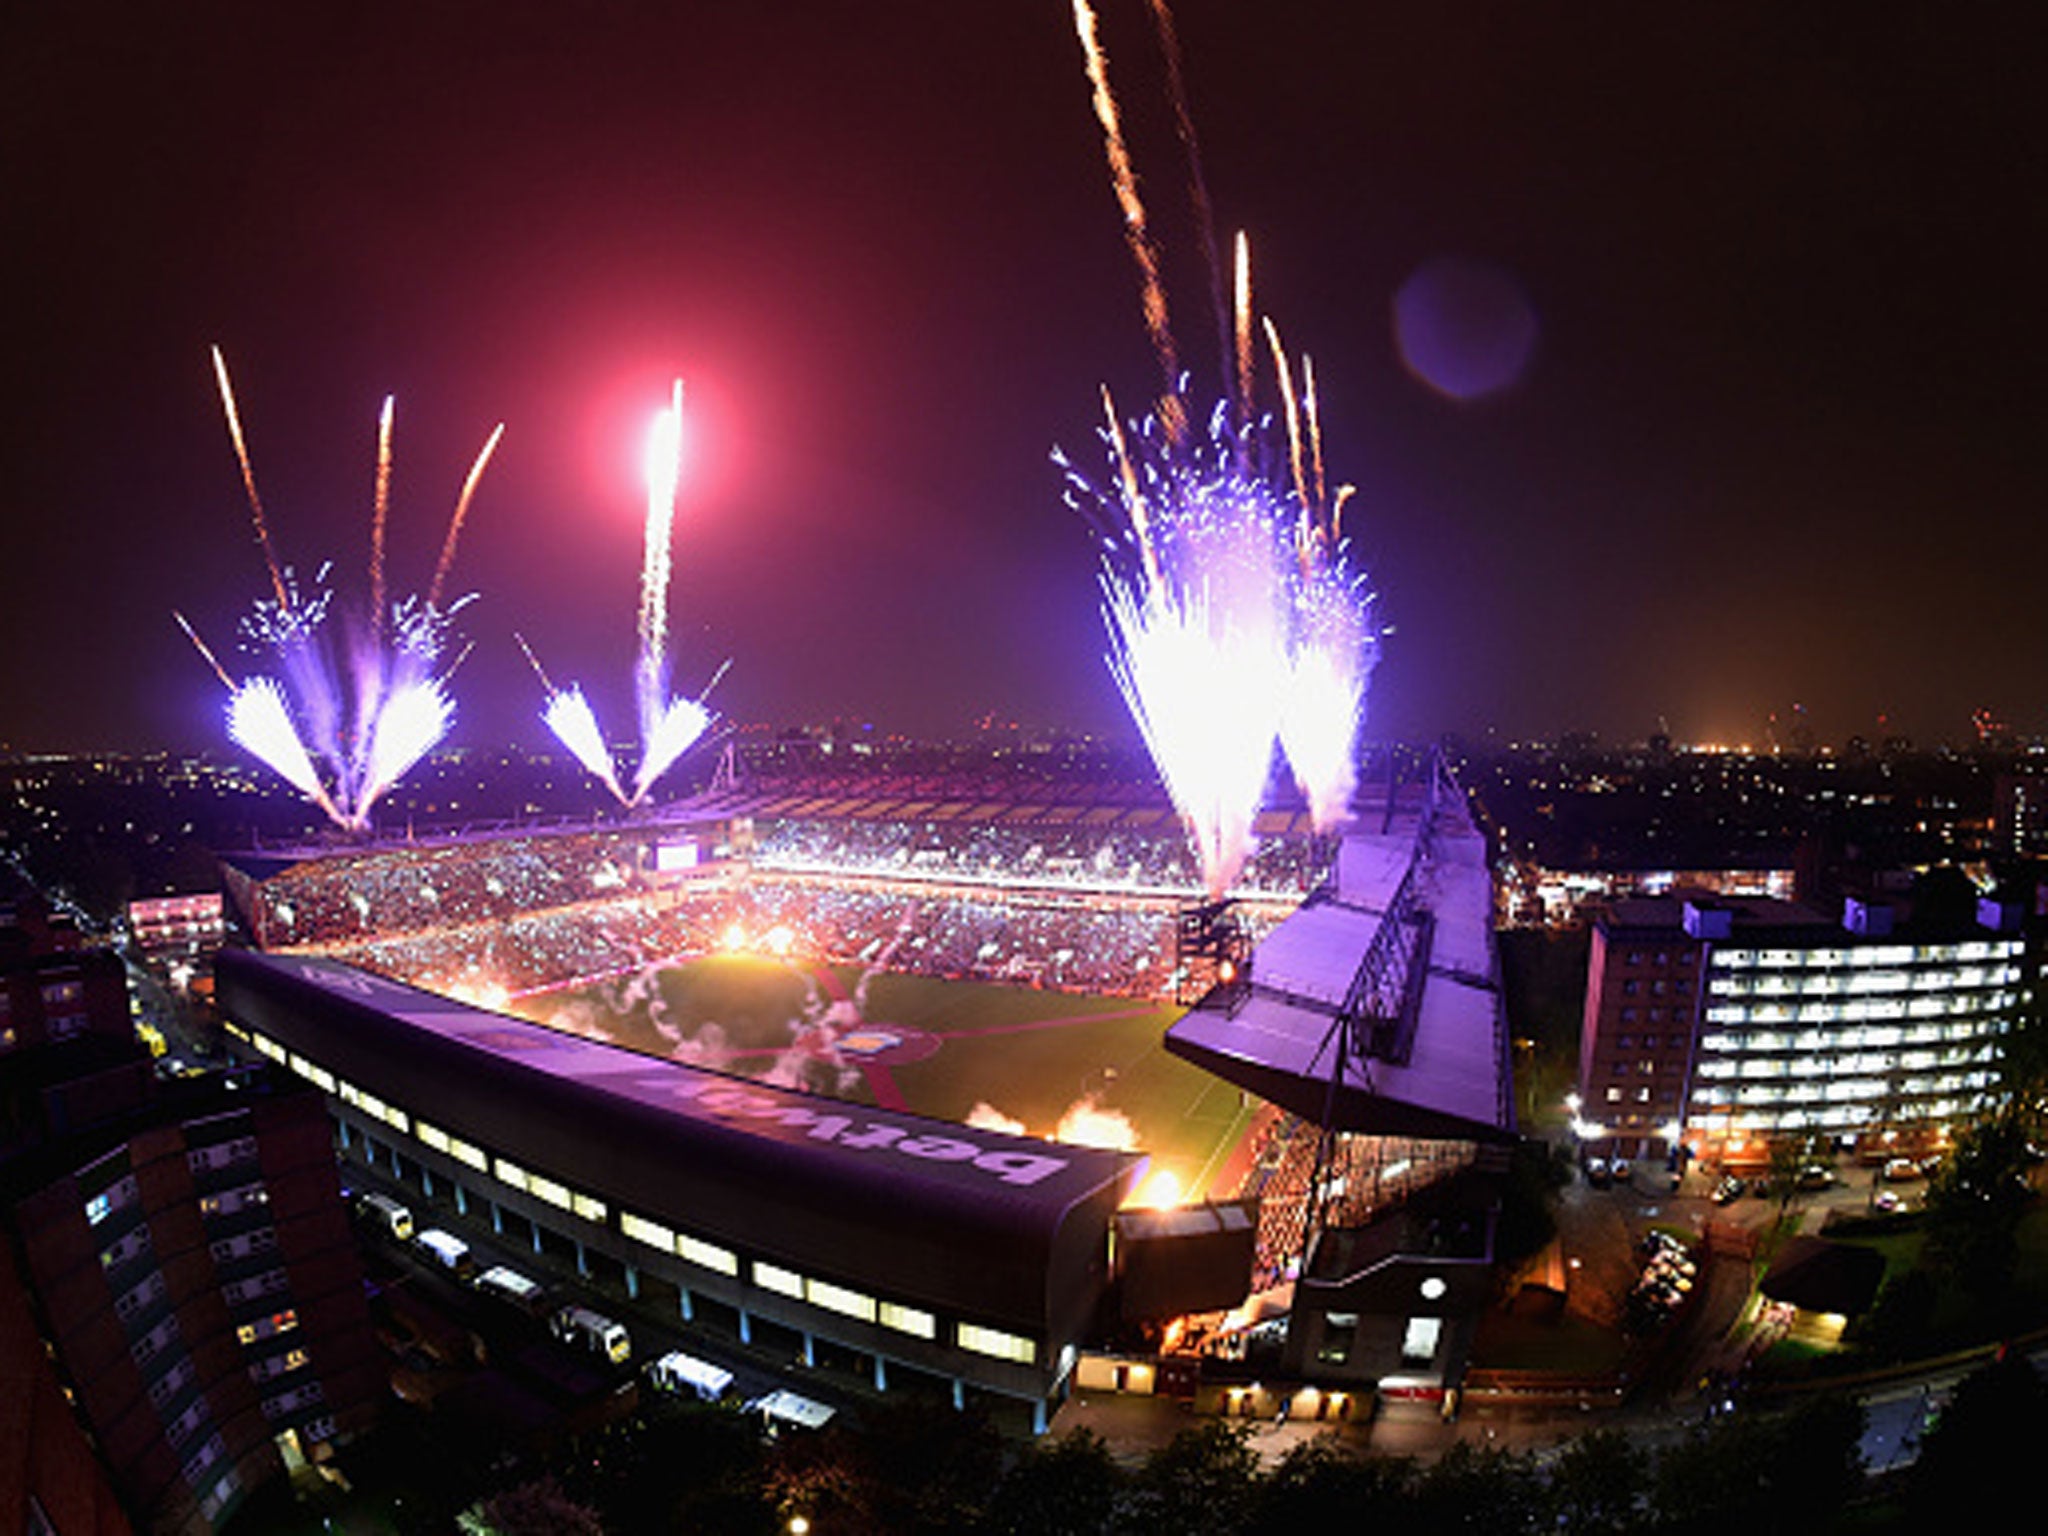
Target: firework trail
(1242, 330)
(1124, 181)
(1198, 184)
(1194, 591)
(664, 475)
(227, 400)
(380, 510)
(669, 727)
(205, 651)
(469, 485)
(354, 703)
(1334, 641)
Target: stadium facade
(973, 1256)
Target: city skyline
(1765, 447)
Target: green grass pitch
(937, 1048)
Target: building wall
(1792, 1027)
(1850, 1039)
(1636, 1044)
(200, 1285)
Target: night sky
(1777, 436)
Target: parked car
(678, 1372)
(594, 1332)
(446, 1250)
(1729, 1190)
(784, 1409)
(514, 1290)
(386, 1215)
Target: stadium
(949, 1070)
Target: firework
(1194, 585)
(341, 709)
(669, 727)
(1137, 236)
(1333, 642)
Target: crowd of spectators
(1069, 908)
(1077, 855)
(406, 889)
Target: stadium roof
(1281, 1041)
(966, 1217)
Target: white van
(389, 1216)
(595, 1332)
(447, 1250)
(788, 1410)
(514, 1289)
(678, 1372)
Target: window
(134, 1245)
(221, 1154)
(709, 1255)
(1338, 1331)
(652, 1233)
(268, 1327)
(147, 1292)
(114, 1197)
(230, 1202)
(772, 1277)
(996, 1343)
(1419, 1340)
(244, 1245)
(908, 1320)
(172, 1382)
(837, 1298)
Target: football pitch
(968, 1052)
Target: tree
(1316, 1486)
(1984, 1447)
(1974, 1205)
(1899, 1325)
(538, 1508)
(1600, 1485)
(1204, 1480)
(1487, 1492)
(1064, 1487)
(1761, 1474)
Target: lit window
(1419, 1341)
(837, 1298)
(995, 1342)
(708, 1255)
(771, 1277)
(908, 1320)
(652, 1233)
